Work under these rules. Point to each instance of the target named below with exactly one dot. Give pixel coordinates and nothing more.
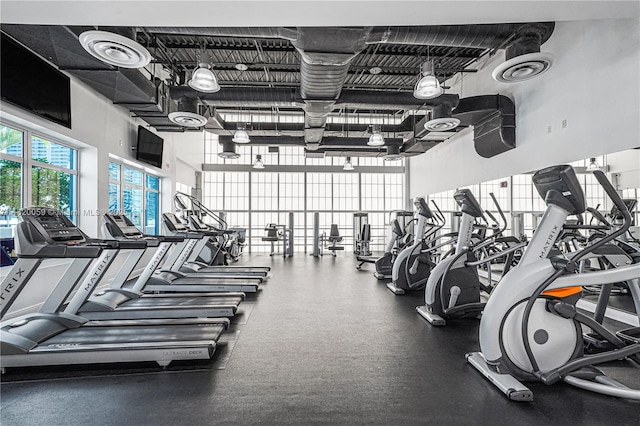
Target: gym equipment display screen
(31, 83)
(149, 147)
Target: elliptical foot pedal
(394, 289)
(433, 319)
(630, 335)
(509, 385)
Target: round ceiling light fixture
(187, 119)
(115, 49)
(523, 67)
(241, 67)
(375, 70)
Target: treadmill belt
(136, 334)
(182, 301)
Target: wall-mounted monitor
(31, 83)
(149, 147)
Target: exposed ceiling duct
(312, 70)
(326, 54)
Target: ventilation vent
(115, 49)
(228, 151)
(523, 67)
(187, 119)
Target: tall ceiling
(319, 63)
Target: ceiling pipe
(262, 97)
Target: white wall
(593, 85)
(100, 129)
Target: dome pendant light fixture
(348, 165)
(428, 87)
(203, 79)
(593, 165)
(376, 138)
(241, 135)
(258, 163)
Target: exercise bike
(531, 329)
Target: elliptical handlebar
(617, 201)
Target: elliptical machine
(531, 329)
(454, 288)
(412, 267)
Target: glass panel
(11, 141)
(114, 171)
(133, 176)
(153, 182)
(10, 195)
(151, 213)
(45, 151)
(114, 198)
(132, 200)
(51, 188)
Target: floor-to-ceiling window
(37, 171)
(136, 194)
(290, 182)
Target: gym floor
(321, 343)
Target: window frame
(28, 164)
(145, 190)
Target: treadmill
(174, 226)
(120, 303)
(151, 280)
(52, 337)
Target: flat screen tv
(31, 83)
(149, 147)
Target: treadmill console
(123, 225)
(198, 224)
(173, 223)
(468, 203)
(53, 225)
(559, 185)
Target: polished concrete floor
(321, 343)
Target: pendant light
(241, 135)
(203, 79)
(258, 164)
(376, 138)
(428, 87)
(348, 165)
